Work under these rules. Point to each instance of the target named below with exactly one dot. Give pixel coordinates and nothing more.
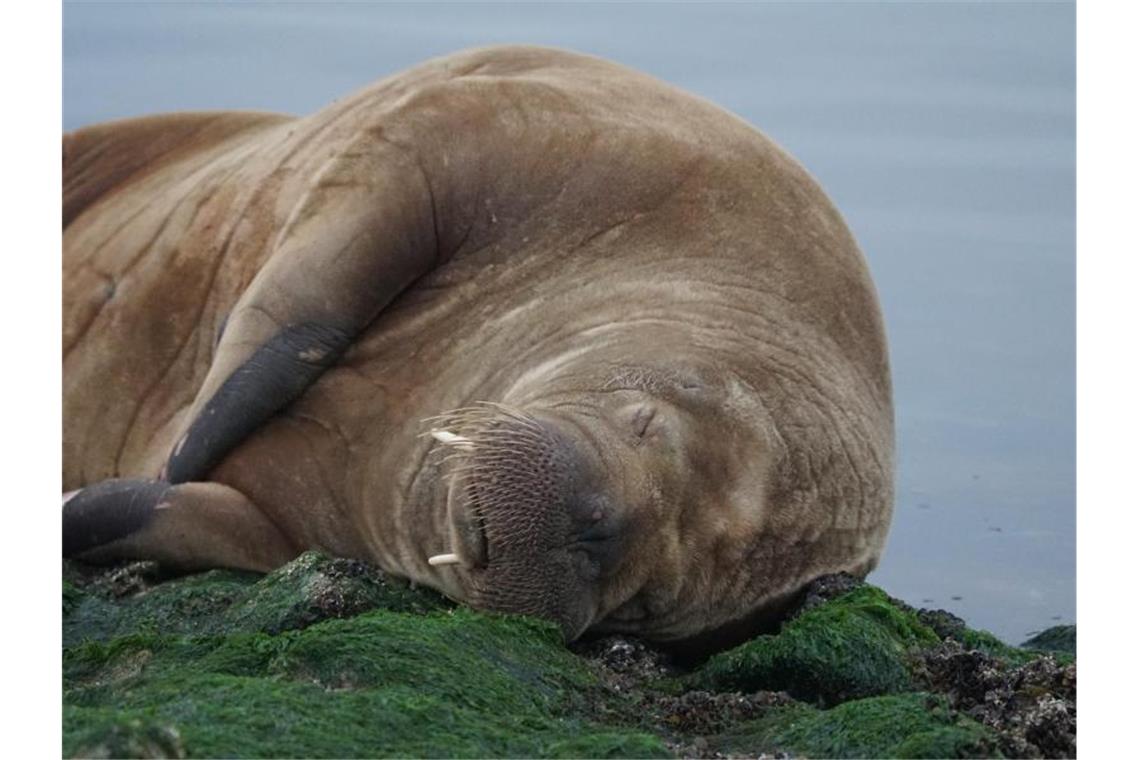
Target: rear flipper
(191, 526)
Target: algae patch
(901, 725)
(857, 645)
(234, 666)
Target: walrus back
(98, 158)
(134, 288)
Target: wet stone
(943, 623)
(1031, 707)
(824, 589)
(136, 739)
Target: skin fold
(648, 345)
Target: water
(944, 133)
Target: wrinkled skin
(652, 345)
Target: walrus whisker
(483, 413)
(443, 559)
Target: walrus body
(648, 347)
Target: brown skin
(692, 411)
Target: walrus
(525, 326)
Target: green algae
(224, 664)
(455, 684)
(913, 725)
(1059, 638)
(311, 588)
(986, 642)
(72, 597)
(195, 604)
(857, 645)
(329, 657)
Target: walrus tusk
(443, 436)
(444, 559)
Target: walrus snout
(468, 538)
(510, 474)
(522, 499)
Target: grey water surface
(945, 133)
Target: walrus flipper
(188, 527)
(277, 373)
(322, 285)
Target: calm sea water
(944, 133)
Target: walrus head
(606, 507)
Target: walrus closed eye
(528, 327)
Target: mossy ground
(900, 725)
(328, 658)
(442, 684)
(223, 664)
(853, 647)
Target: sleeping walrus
(526, 326)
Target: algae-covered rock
(450, 683)
(868, 657)
(311, 588)
(949, 626)
(984, 641)
(857, 645)
(329, 657)
(1032, 707)
(131, 738)
(901, 725)
(1059, 638)
(290, 665)
(314, 587)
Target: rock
(824, 590)
(945, 625)
(625, 662)
(856, 645)
(330, 657)
(134, 738)
(1031, 707)
(313, 587)
(1059, 638)
(703, 712)
(117, 582)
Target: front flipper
(277, 373)
(193, 526)
(364, 232)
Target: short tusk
(444, 559)
(451, 439)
